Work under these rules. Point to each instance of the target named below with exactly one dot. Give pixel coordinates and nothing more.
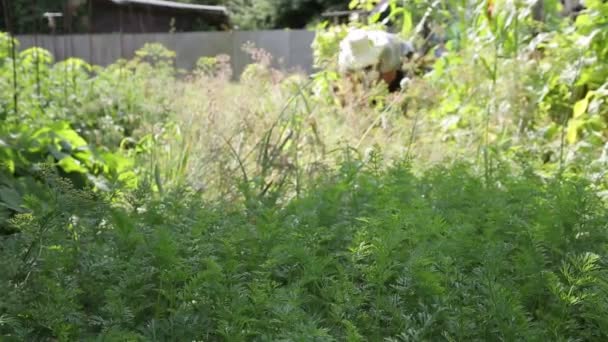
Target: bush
(364, 255)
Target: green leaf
(10, 164)
(116, 161)
(72, 137)
(10, 198)
(406, 29)
(375, 18)
(551, 131)
(69, 164)
(57, 154)
(572, 131)
(580, 107)
(583, 20)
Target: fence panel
(290, 49)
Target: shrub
(364, 255)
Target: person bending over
(378, 54)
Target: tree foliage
(246, 14)
(274, 14)
(26, 16)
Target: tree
(25, 16)
(274, 14)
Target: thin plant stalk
(11, 47)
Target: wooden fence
(291, 49)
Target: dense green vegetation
(365, 255)
(140, 202)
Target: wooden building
(143, 16)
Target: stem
(9, 27)
(492, 107)
(412, 135)
(562, 143)
(37, 61)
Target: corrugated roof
(340, 13)
(173, 4)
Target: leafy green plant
(63, 120)
(365, 254)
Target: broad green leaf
(71, 137)
(85, 157)
(55, 127)
(595, 123)
(551, 131)
(572, 131)
(128, 179)
(583, 20)
(406, 29)
(595, 138)
(116, 161)
(57, 154)
(10, 198)
(70, 164)
(10, 164)
(375, 17)
(580, 107)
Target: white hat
(358, 50)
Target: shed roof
(174, 5)
(341, 13)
